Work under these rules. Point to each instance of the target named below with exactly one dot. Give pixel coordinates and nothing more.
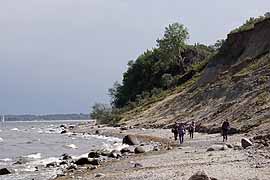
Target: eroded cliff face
(238, 50)
(235, 86)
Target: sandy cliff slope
(235, 85)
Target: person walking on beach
(175, 130)
(181, 132)
(225, 129)
(191, 129)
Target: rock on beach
(245, 142)
(130, 140)
(4, 171)
(200, 175)
(139, 150)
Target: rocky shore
(153, 154)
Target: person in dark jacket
(225, 129)
(181, 132)
(191, 129)
(175, 131)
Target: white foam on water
(1, 139)
(111, 139)
(40, 131)
(72, 146)
(80, 156)
(14, 129)
(34, 156)
(45, 161)
(69, 133)
(115, 146)
(29, 169)
(6, 160)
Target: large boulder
(4, 171)
(245, 142)
(95, 162)
(130, 140)
(139, 150)
(200, 175)
(87, 161)
(82, 161)
(94, 154)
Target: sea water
(39, 143)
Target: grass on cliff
(255, 65)
(149, 102)
(249, 24)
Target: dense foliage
(160, 68)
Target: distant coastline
(47, 117)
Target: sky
(61, 56)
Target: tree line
(171, 63)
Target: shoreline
(172, 161)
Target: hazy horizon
(61, 56)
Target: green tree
(218, 44)
(173, 44)
(101, 112)
(159, 68)
(113, 92)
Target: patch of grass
(249, 24)
(263, 98)
(258, 63)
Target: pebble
(99, 175)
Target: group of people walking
(179, 130)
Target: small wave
(45, 161)
(29, 169)
(80, 156)
(72, 146)
(6, 160)
(14, 129)
(53, 131)
(1, 139)
(111, 139)
(115, 146)
(34, 156)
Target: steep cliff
(235, 85)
